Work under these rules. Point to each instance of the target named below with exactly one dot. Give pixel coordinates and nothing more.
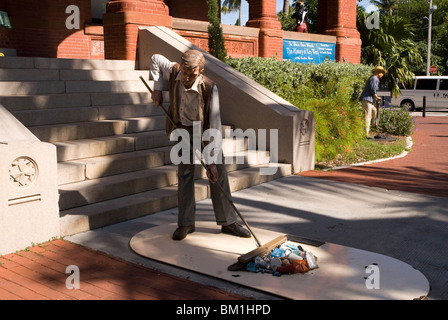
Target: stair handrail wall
(244, 103)
(29, 211)
(12, 129)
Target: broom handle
(208, 170)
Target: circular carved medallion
(23, 172)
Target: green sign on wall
(308, 51)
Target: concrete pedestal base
(342, 272)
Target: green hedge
(330, 90)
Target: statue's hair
(192, 59)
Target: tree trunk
(286, 7)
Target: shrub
(396, 121)
(330, 90)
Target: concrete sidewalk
(400, 220)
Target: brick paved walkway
(39, 273)
(424, 170)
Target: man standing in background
(369, 96)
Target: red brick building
(39, 28)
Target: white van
(434, 88)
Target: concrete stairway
(113, 154)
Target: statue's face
(189, 76)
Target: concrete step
(66, 113)
(142, 124)
(23, 74)
(105, 86)
(40, 101)
(103, 75)
(116, 186)
(228, 148)
(100, 146)
(58, 63)
(87, 148)
(104, 213)
(123, 98)
(78, 130)
(154, 139)
(32, 118)
(45, 101)
(129, 111)
(105, 102)
(238, 161)
(71, 75)
(150, 139)
(73, 124)
(14, 88)
(108, 165)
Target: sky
(232, 17)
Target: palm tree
(392, 47)
(386, 6)
(232, 6)
(286, 5)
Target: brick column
(338, 18)
(263, 15)
(121, 22)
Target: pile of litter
(288, 258)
